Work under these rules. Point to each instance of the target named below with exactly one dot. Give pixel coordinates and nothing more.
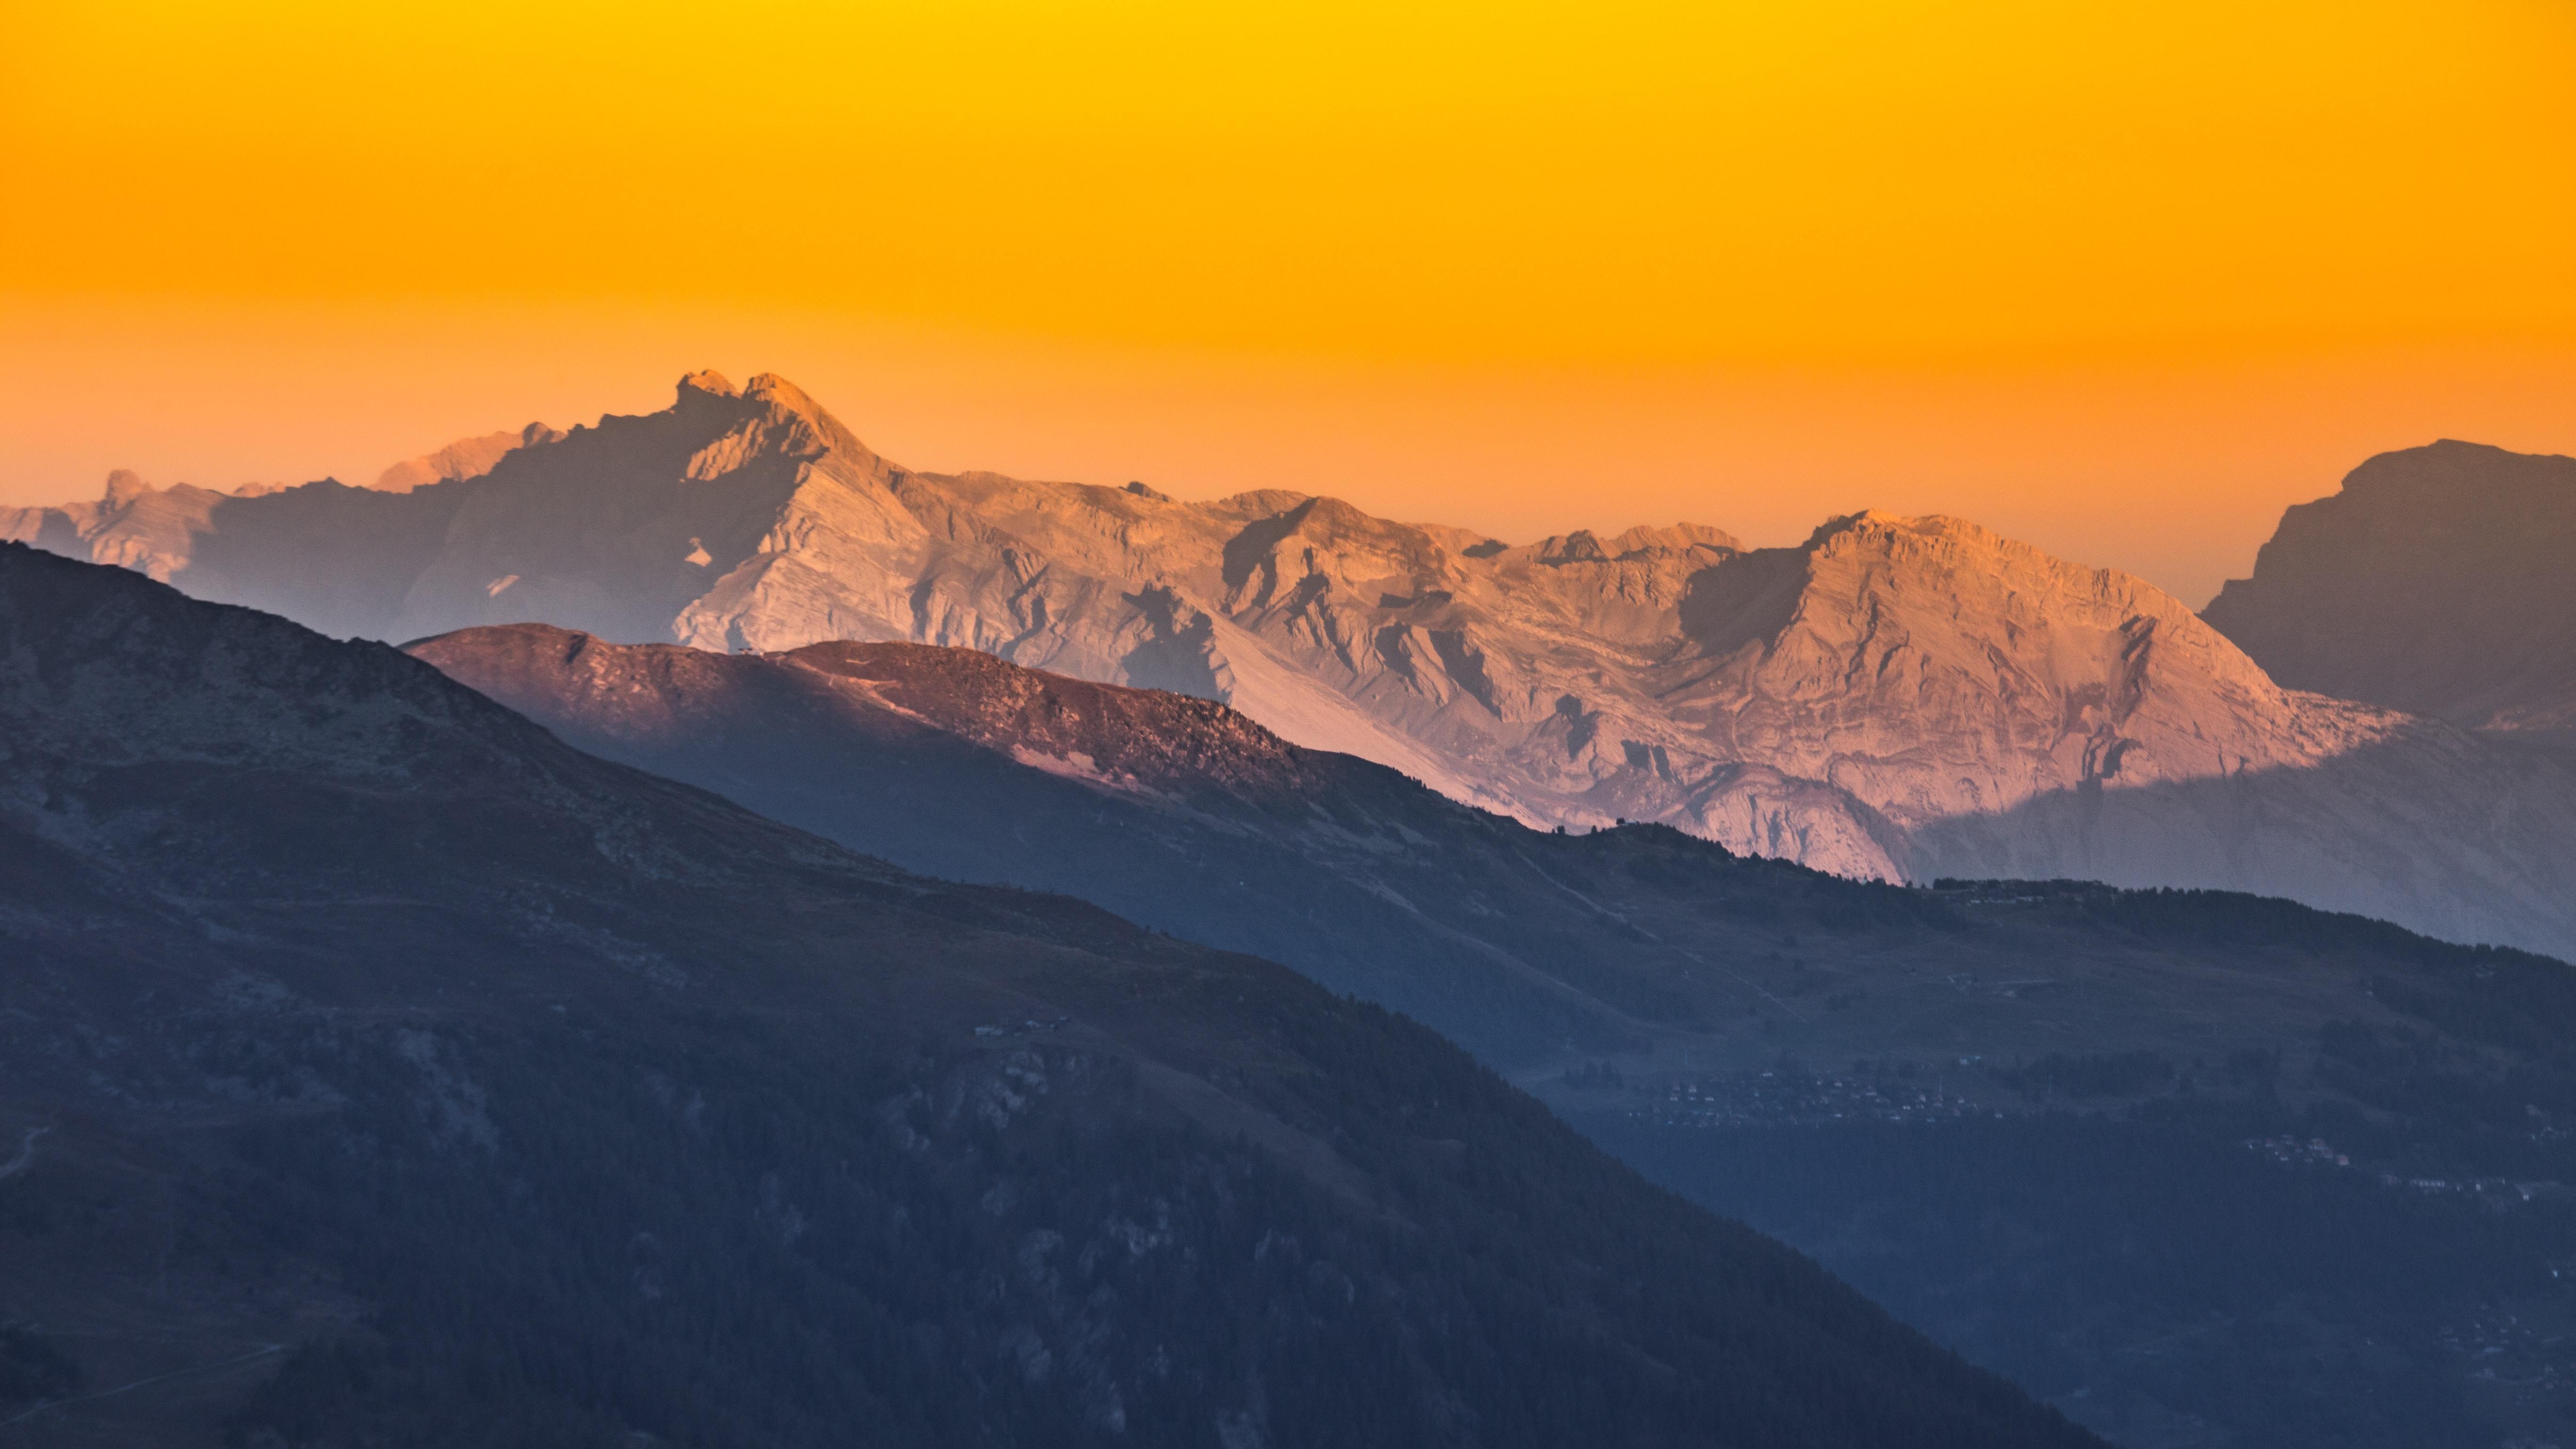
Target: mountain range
(2036, 1152)
(384, 1070)
(1895, 698)
(382, 1006)
(1651, 986)
(1534, 948)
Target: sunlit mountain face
(2119, 284)
(1792, 740)
(1703, 753)
(1894, 699)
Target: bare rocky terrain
(1895, 698)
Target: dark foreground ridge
(406, 1076)
(2071, 1130)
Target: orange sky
(2122, 282)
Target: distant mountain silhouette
(1895, 698)
(2438, 581)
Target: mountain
(1538, 948)
(384, 1070)
(465, 458)
(133, 524)
(1899, 699)
(2019, 1113)
(1167, 809)
(2436, 582)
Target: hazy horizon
(1515, 457)
(2123, 287)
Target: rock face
(1894, 698)
(443, 1065)
(2439, 581)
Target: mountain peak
(1676, 538)
(465, 458)
(124, 486)
(708, 381)
(778, 392)
(1879, 523)
(1899, 696)
(2449, 469)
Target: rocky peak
(1695, 542)
(1324, 544)
(808, 426)
(123, 487)
(1679, 538)
(1848, 702)
(1577, 547)
(774, 391)
(1941, 599)
(465, 458)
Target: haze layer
(2122, 284)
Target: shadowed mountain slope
(1174, 811)
(2437, 581)
(1892, 699)
(1697, 1011)
(392, 1072)
(1532, 946)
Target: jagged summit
(124, 485)
(770, 388)
(1975, 673)
(1893, 698)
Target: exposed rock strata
(1893, 698)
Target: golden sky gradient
(2121, 280)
